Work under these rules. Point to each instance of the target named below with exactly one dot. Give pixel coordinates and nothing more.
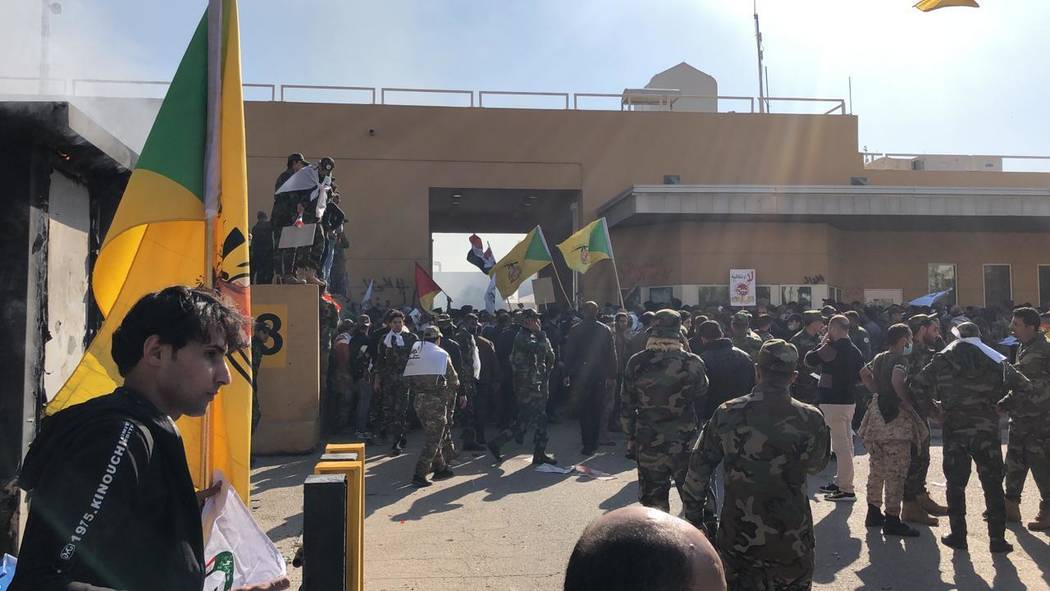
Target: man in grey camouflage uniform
(1028, 445)
(661, 387)
(969, 383)
(769, 442)
(433, 394)
(465, 336)
(531, 361)
(391, 356)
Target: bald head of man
(643, 548)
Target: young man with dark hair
(112, 502)
(390, 359)
(1028, 445)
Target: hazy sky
(958, 80)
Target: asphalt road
(512, 528)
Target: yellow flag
(588, 246)
(157, 239)
(529, 256)
(928, 5)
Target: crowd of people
(733, 408)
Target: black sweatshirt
(111, 501)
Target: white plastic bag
(236, 551)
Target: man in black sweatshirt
(839, 362)
(112, 504)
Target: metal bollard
(324, 532)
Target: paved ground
(512, 528)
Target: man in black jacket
(730, 371)
(839, 362)
(590, 356)
(112, 501)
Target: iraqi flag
(483, 260)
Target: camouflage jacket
(532, 359)
(769, 442)
(442, 387)
(390, 361)
(467, 346)
(804, 343)
(1033, 406)
(968, 385)
(749, 343)
(660, 391)
(920, 357)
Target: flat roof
(862, 207)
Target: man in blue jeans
(839, 362)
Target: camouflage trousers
(433, 412)
(1028, 447)
(657, 466)
(918, 467)
(467, 416)
(888, 467)
(983, 446)
(743, 574)
(531, 415)
(392, 407)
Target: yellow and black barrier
(349, 459)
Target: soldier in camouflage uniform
(468, 383)
(743, 337)
(661, 387)
(531, 360)
(805, 340)
(433, 394)
(1028, 445)
(918, 507)
(391, 357)
(769, 442)
(968, 383)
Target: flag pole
(612, 257)
(554, 266)
(211, 194)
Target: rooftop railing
(316, 93)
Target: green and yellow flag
(190, 178)
(928, 5)
(588, 246)
(523, 261)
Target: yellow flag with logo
(192, 168)
(587, 247)
(928, 5)
(523, 261)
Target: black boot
(443, 474)
(997, 538)
(956, 539)
(420, 481)
(875, 517)
(399, 446)
(895, 527)
(494, 450)
(539, 457)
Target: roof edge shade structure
(843, 207)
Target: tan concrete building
(688, 196)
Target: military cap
(529, 313)
(431, 332)
(918, 320)
(297, 157)
(811, 316)
(741, 318)
(667, 323)
(828, 311)
(442, 319)
(778, 356)
(967, 330)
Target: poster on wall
(742, 287)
